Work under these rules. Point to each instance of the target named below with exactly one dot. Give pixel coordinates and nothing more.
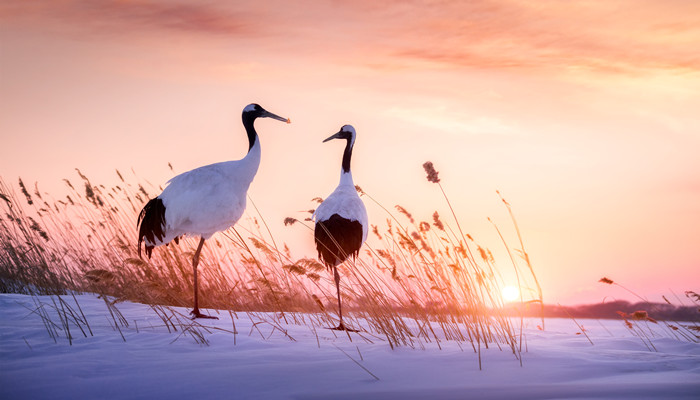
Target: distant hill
(609, 310)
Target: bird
(341, 222)
(204, 200)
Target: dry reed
(417, 283)
(637, 321)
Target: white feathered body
(208, 199)
(345, 202)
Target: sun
(510, 293)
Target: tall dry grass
(638, 321)
(416, 282)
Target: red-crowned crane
(203, 201)
(341, 220)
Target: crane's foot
(342, 327)
(196, 314)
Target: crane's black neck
(248, 121)
(346, 156)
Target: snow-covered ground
(262, 362)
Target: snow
(262, 362)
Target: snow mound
(135, 351)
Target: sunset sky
(585, 115)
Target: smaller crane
(341, 220)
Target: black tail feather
(151, 224)
(337, 238)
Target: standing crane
(341, 220)
(203, 201)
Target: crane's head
(253, 111)
(347, 132)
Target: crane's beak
(268, 114)
(334, 136)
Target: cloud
(622, 36)
(445, 120)
(121, 17)
(619, 37)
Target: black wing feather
(337, 238)
(151, 224)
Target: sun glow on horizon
(510, 293)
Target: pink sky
(585, 115)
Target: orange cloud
(121, 16)
(621, 36)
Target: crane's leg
(341, 326)
(336, 276)
(195, 260)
